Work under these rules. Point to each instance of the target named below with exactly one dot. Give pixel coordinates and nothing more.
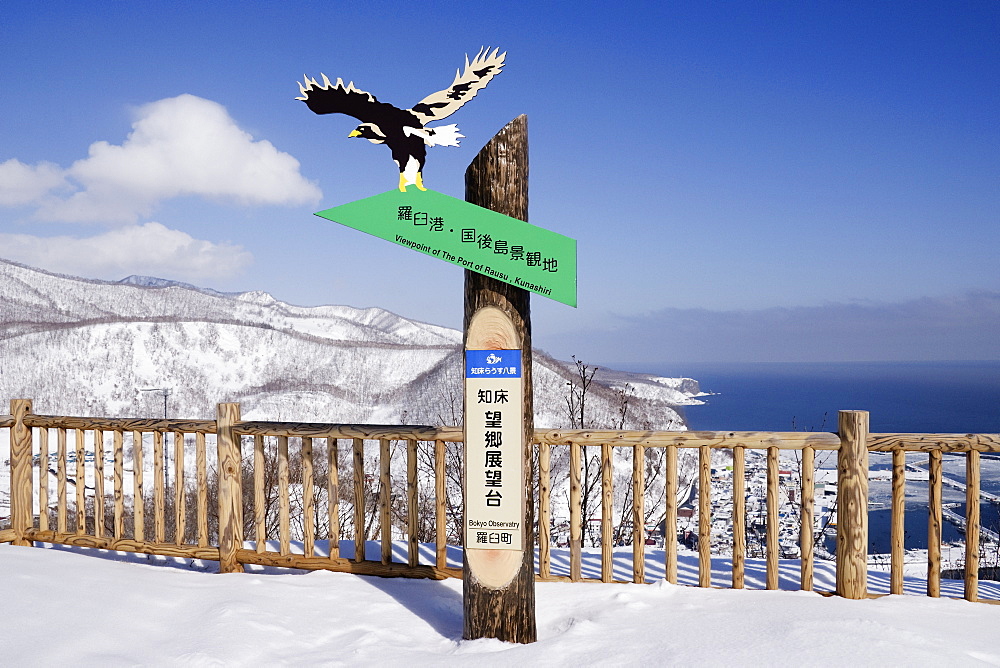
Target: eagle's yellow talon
(402, 183)
(420, 181)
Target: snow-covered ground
(65, 608)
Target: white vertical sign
(494, 500)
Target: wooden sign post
(499, 571)
(504, 258)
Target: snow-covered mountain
(86, 347)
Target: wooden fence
(244, 505)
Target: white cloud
(150, 249)
(22, 184)
(180, 146)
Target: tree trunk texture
(497, 179)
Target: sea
(907, 397)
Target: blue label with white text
(492, 363)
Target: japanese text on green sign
(489, 243)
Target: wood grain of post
(897, 531)
(118, 443)
(180, 516)
(670, 518)
(739, 516)
(138, 500)
(412, 504)
(575, 513)
(373, 568)
(125, 424)
(934, 442)
(126, 545)
(852, 505)
(704, 516)
(230, 489)
(333, 496)
(638, 514)
(284, 512)
(807, 498)
(61, 464)
(43, 479)
(934, 524)
(607, 508)
(359, 500)
(159, 492)
(384, 500)
(20, 472)
(80, 483)
(98, 483)
(794, 440)
(972, 525)
(440, 506)
(201, 466)
(371, 432)
(772, 548)
(308, 499)
(497, 179)
(259, 495)
(544, 509)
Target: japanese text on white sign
(494, 430)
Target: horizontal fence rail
(693, 507)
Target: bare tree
(576, 406)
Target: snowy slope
(84, 347)
(70, 609)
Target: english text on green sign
(483, 241)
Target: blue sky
(776, 181)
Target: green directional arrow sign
(470, 236)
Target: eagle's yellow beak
(354, 133)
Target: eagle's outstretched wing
(476, 75)
(330, 98)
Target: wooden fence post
(497, 179)
(20, 472)
(230, 488)
(852, 505)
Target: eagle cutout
(405, 131)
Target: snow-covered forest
(82, 347)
